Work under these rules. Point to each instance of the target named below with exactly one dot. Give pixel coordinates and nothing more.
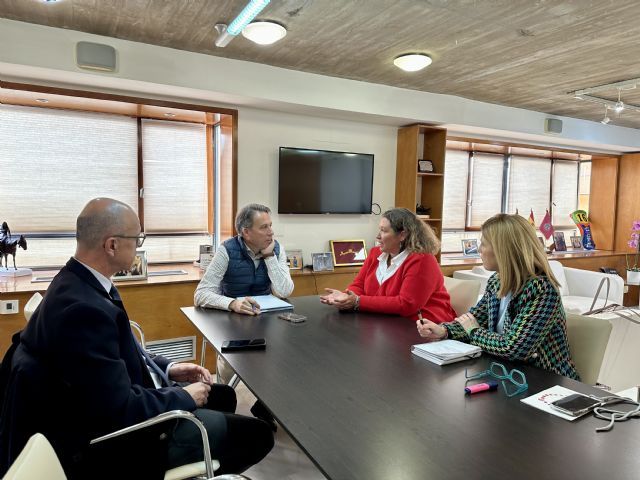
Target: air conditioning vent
(175, 349)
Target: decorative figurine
(9, 247)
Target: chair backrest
(463, 293)
(588, 338)
(37, 460)
(31, 305)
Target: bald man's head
(102, 218)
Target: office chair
(31, 305)
(463, 293)
(588, 338)
(36, 460)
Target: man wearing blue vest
(250, 264)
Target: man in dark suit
(78, 373)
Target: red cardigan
(417, 285)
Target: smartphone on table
(576, 404)
(244, 344)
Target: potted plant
(633, 271)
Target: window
(57, 160)
(509, 179)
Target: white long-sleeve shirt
(209, 291)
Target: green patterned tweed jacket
(534, 327)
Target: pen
(420, 317)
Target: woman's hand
(468, 322)
(430, 330)
(342, 300)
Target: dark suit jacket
(77, 375)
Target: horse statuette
(8, 246)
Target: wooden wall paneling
(628, 198)
(335, 280)
(10, 324)
(407, 167)
(304, 284)
(603, 200)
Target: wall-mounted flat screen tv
(322, 181)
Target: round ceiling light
(412, 62)
(264, 33)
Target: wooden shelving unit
(421, 142)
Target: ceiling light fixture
(42, 100)
(606, 118)
(412, 62)
(619, 106)
(169, 115)
(264, 33)
(248, 13)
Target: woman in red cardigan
(400, 276)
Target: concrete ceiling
(521, 53)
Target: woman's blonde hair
(420, 237)
(519, 254)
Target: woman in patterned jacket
(520, 316)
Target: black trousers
(236, 441)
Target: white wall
(262, 132)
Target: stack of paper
(446, 351)
(270, 302)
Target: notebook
(446, 351)
(270, 302)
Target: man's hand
(430, 330)
(245, 306)
(468, 322)
(199, 392)
(189, 372)
(267, 252)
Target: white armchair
(577, 287)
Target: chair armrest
(163, 417)
(470, 275)
(584, 283)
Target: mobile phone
(292, 317)
(576, 404)
(244, 344)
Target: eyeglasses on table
(516, 378)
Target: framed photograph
(294, 259)
(425, 166)
(322, 262)
(138, 270)
(558, 240)
(470, 247)
(576, 241)
(348, 252)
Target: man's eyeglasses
(139, 238)
(499, 371)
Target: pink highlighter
(481, 387)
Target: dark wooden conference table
(347, 389)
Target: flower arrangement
(634, 242)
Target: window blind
(52, 162)
(529, 182)
(175, 176)
(565, 191)
(455, 189)
(486, 190)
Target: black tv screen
(322, 181)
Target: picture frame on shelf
(348, 252)
(576, 242)
(470, 247)
(294, 259)
(425, 166)
(138, 270)
(559, 242)
(322, 262)
(541, 240)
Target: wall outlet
(8, 307)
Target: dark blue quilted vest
(242, 278)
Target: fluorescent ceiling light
(264, 33)
(412, 62)
(248, 13)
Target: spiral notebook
(446, 351)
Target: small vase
(633, 278)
